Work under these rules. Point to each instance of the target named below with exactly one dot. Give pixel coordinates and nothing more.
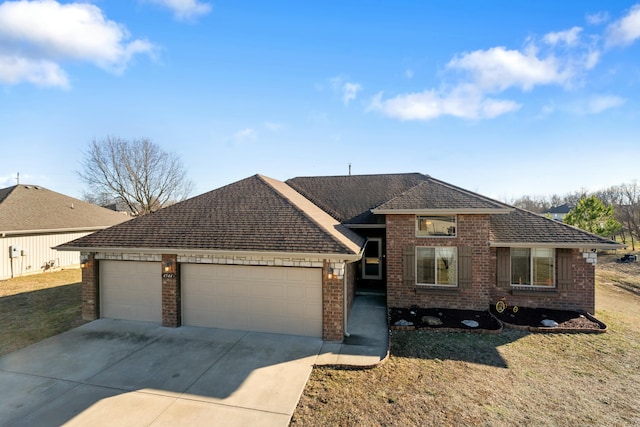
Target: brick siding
(90, 292)
(332, 305)
(171, 292)
(473, 231)
(579, 296)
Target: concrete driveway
(114, 372)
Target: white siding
(38, 253)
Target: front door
(372, 259)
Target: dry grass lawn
(443, 379)
(36, 307)
(515, 378)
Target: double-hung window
(437, 266)
(532, 267)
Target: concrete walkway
(368, 342)
(111, 372)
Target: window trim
(436, 285)
(437, 236)
(521, 286)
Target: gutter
(575, 245)
(52, 230)
(482, 211)
(187, 252)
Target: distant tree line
(622, 202)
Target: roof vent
(27, 187)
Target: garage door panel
(131, 290)
(266, 299)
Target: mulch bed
(531, 319)
(443, 319)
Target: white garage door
(131, 290)
(285, 300)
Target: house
(558, 212)
(34, 219)
(288, 257)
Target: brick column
(90, 287)
(332, 305)
(171, 292)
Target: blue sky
(500, 97)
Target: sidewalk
(367, 344)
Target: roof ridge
(471, 193)
(363, 175)
(338, 232)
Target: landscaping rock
(432, 320)
(403, 322)
(470, 323)
(549, 323)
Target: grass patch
(515, 378)
(38, 306)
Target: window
(532, 267)
(436, 226)
(436, 266)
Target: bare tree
(138, 172)
(629, 210)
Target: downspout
(345, 301)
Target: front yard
(36, 307)
(514, 378)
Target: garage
(131, 290)
(285, 300)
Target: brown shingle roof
(434, 195)
(349, 199)
(28, 208)
(254, 214)
(523, 227)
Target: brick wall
(171, 291)
(332, 305)
(579, 296)
(90, 292)
(473, 231)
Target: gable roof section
(256, 214)
(349, 199)
(434, 196)
(29, 209)
(526, 229)
(562, 209)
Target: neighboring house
(34, 219)
(288, 257)
(558, 212)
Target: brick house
(288, 257)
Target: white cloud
(597, 18)
(498, 69)
(568, 37)
(347, 90)
(14, 69)
(244, 135)
(184, 9)
(273, 126)
(598, 104)
(626, 30)
(463, 102)
(36, 36)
